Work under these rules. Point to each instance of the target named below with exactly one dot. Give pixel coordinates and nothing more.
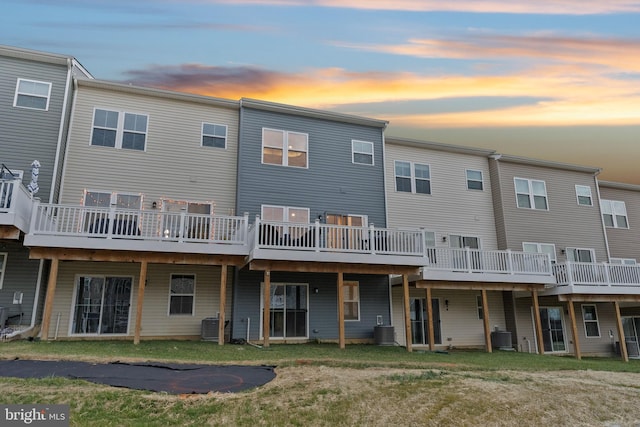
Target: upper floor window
(362, 152)
(474, 180)
(623, 261)
(182, 294)
(590, 319)
(614, 213)
(32, 94)
(580, 254)
(105, 199)
(531, 194)
(214, 135)
(412, 177)
(542, 248)
(119, 130)
(285, 214)
(583, 194)
(3, 266)
(285, 148)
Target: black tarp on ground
(160, 377)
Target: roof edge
(546, 163)
(439, 146)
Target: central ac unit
(210, 329)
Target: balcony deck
(595, 279)
(15, 206)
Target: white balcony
(451, 264)
(318, 242)
(595, 278)
(66, 226)
(15, 205)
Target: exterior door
(631, 328)
(552, 329)
(347, 238)
(288, 311)
(460, 260)
(420, 322)
(102, 305)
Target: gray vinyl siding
(21, 275)
(322, 307)
(565, 223)
(451, 207)
(155, 319)
(331, 183)
(174, 164)
(623, 243)
(29, 134)
(498, 202)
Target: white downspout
(54, 178)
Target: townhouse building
(35, 96)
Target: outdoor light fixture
(315, 290)
(446, 304)
(444, 238)
(154, 205)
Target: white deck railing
(112, 222)
(336, 238)
(572, 273)
(496, 261)
(16, 202)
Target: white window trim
(412, 177)
(114, 196)
(286, 210)
(354, 152)
(539, 246)
(585, 321)
(17, 92)
(613, 214)
(623, 261)
(530, 193)
(474, 180)
(571, 248)
(285, 148)
(3, 266)
(120, 129)
(203, 134)
(590, 195)
(193, 305)
(357, 285)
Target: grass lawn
(319, 384)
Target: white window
(285, 214)
(542, 248)
(351, 300)
(580, 254)
(105, 199)
(531, 194)
(474, 180)
(32, 94)
(214, 135)
(614, 213)
(583, 195)
(119, 130)
(182, 292)
(362, 152)
(590, 318)
(623, 261)
(3, 266)
(285, 148)
(412, 177)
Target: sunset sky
(556, 80)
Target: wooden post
(266, 315)
(407, 317)
(574, 330)
(623, 344)
(141, 287)
(48, 303)
(536, 316)
(430, 321)
(223, 303)
(341, 337)
(485, 321)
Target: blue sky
(555, 80)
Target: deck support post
(266, 315)
(407, 317)
(141, 287)
(223, 303)
(48, 303)
(574, 330)
(485, 321)
(341, 335)
(623, 344)
(430, 320)
(536, 317)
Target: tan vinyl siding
(623, 243)
(565, 223)
(174, 165)
(156, 321)
(451, 207)
(460, 323)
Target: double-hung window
(412, 177)
(531, 194)
(182, 294)
(614, 213)
(362, 152)
(214, 135)
(351, 300)
(119, 129)
(583, 195)
(590, 319)
(474, 180)
(32, 94)
(285, 148)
